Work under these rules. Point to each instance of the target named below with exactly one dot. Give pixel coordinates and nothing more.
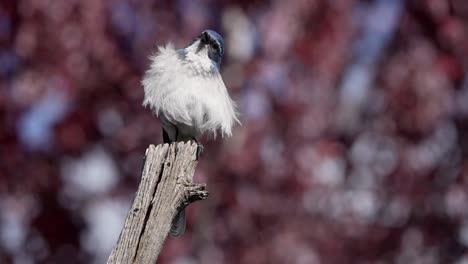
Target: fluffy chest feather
(187, 89)
(197, 65)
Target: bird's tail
(178, 224)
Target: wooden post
(166, 186)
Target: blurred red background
(353, 148)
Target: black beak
(204, 37)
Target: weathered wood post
(166, 186)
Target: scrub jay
(184, 88)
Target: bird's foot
(200, 149)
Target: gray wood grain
(166, 186)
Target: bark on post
(166, 186)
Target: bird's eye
(216, 47)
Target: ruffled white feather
(186, 90)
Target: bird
(185, 90)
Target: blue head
(213, 42)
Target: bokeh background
(353, 148)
